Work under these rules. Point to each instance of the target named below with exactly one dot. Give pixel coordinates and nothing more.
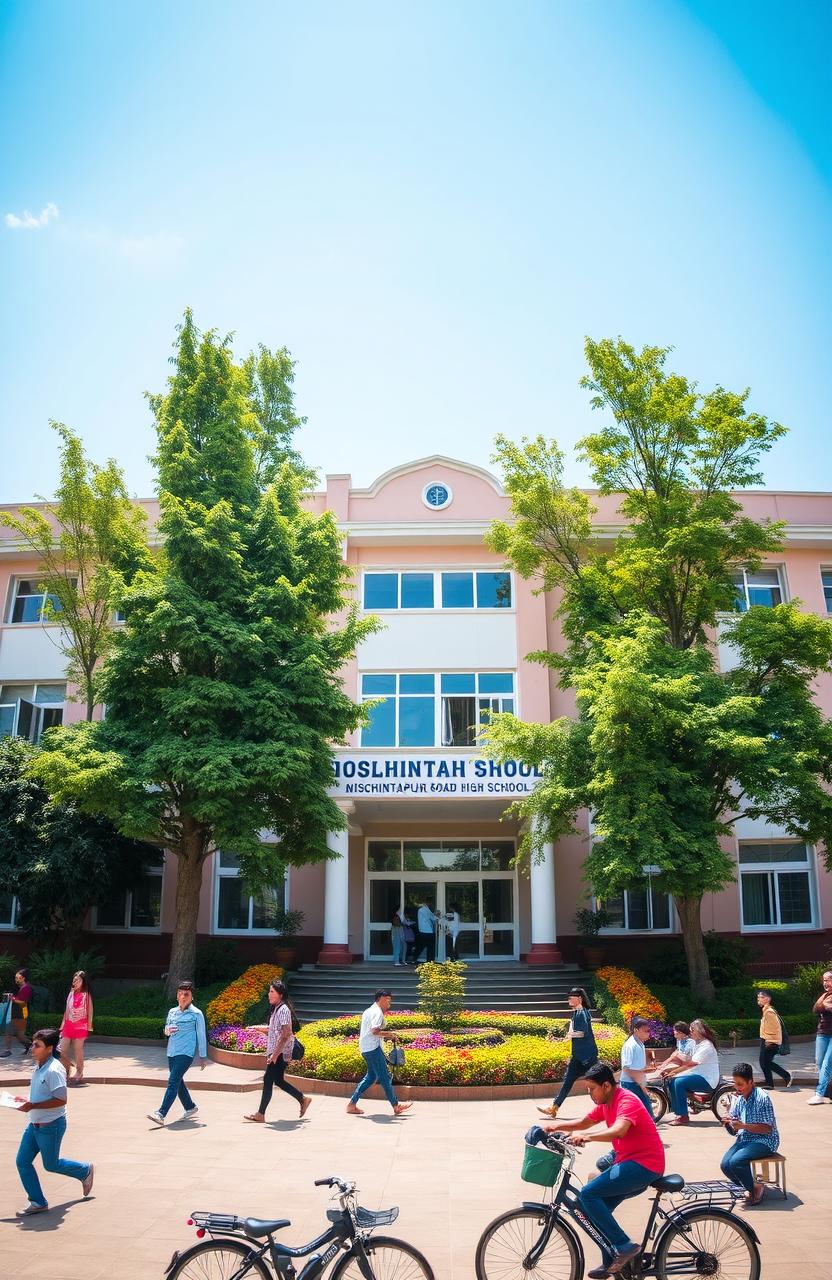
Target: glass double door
(486, 907)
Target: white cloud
(28, 222)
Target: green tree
(665, 751)
(57, 861)
(223, 688)
(89, 540)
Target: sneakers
(815, 1101)
(190, 1112)
(31, 1208)
(156, 1117)
(788, 1083)
(549, 1111)
(86, 1185)
(621, 1259)
(598, 1273)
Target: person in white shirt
(634, 1061)
(453, 918)
(369, 1043)
(703, 1074)
(425, 936)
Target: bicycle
(234, 1250)
(717, 1100)
(703, 1238)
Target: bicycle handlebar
(345, 1187)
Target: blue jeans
(636, 1089)
(46, 1139)
(823, 1058)
(376, 1072)
(736, 1163)
(399, 946)
(178, 1064)
(605, 1193)
(575, 1068)
(680, 1086)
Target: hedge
(738, 1004)
(137, 1028)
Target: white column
(336, 949)
(544, 948)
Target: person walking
(751, 1119)
(16, 1025)
(425, 936)
(45, 1132)
(702, 1076)
(185, 1030)
(369, 1043)
(584, 1051)
(77, 1025)
(453, 919)
(409, 920)
(397, 938)
(280, 1040)
(823, 1040)
(634, 1061)
(771, 1041)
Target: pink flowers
(237, 1039)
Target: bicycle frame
(280, 1254)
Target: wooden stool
(771, 1170)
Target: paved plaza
(450, 1166)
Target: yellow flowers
(631, 995)
(233, 1003)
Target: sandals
(256, 1118)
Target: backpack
(785, 1046)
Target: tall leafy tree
(223, 690)
(89, 540)
(665, 751)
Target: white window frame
(437, 697)
(39, 621)
(40, 707)
(437, 606)
(774, 870)
(826, 572)
(626, 931)
(127, 927)
(13, 926)
(233, 873)
(779, 569)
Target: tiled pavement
(449, 1166)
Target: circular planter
(245, 1061)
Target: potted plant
(589, 924)
(288, 924)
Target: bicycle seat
(668, 1182)
(259, 1227)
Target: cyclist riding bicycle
(638, 1159)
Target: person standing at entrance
(397, 939)
(771, 1037)
(280, 1040)
(369, 1043)
(425, 936)
(453, 918)
(185, 1030)
(584, 1048)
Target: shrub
(137, 1028)
(728, 958)
(9, 966)
(631, 995)
(731, 1002)
(442, 991)
(808, 979)
(53, 968)
(217, 960)
(797, 1024)
(234, 1002)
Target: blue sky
(429, 204)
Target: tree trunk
(190, 858)
(699, 970)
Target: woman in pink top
(77, 1024)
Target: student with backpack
(280, 1045)
(773, 1041)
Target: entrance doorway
(473, 877)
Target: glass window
(457, 590)
(417, 590)
(417, 684)
(762, 588)
(384, 855)
(236, 910)
(760, 853)
(381, 590)
(29, 601)
(497, 855)
(778, 894)
(381, 730)
(498, 899)
(416, 722)
(8, 910)
(138, 908)
(496, 682)
(372, 686)
(459, 722)
(639, 910)
(826, 579)
(232, 904)
(385, 899)
(756, 899)
(493, 591)
(458, 683)
(28, 710)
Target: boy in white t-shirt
(634, 1061)
(369, 1043)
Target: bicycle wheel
(707, 1244)
(218, 1260)
(390, 1260)
(507, 1240)
(658, 1101)
(721, 1101)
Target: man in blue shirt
(425, 936)
(752, 1119)
(185, 1029)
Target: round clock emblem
(436, 495)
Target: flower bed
(230, 1007)
(525, 1054)
(631, 995)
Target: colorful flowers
(631, 995)
(233, 1003)
(238, 1039)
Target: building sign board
(361, 773)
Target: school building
(426, 813)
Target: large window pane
(28, 602)
(464, 897)
(6, 721)
(497, 855)
(501, 943)
(111, 913)
(461, 855)
(232, 903)
(417, 590)
(496, 682)
(7, 909)
(756, 898)
(384, 855)
(416, 722)
(637, 909)
(147, 904)
(458, 682)
(429, 855)
(764, 588)
(498, 899)
(493, 591)
(795, 899)
(372, 686)
(661, 910)
(381, 590)
(766, 854)
(459, 722)
(385, 899)
(50, 693)
(417, 684)
(457, 590)
(381, 730)
(615, 909)
(264, 909)
(826, 579)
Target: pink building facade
(426, 813)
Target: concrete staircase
(327, 992)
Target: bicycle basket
(367, 1219)
(540, 1166)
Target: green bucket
(541, 1166)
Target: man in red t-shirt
(639, 1159)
